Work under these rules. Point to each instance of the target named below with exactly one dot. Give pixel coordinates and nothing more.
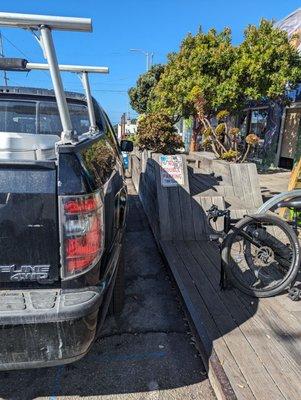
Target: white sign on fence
(172, 173)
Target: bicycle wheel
(261, 255)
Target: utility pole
(5, 77)
(149, 57)
(122, 123)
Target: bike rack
(42, 27)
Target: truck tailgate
(29, 241)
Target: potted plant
(223, 139)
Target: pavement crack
(146, 332)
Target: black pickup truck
(62, 220)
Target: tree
(142, 93)
(208, 67)
(202, 64)
(156, 132)
(266, 64)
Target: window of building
(258, 122)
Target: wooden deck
(251, 347)
(257, 341)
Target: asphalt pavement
(147, 352)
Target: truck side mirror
(127, 146)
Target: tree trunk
(195, 132)
(193, 141)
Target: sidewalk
(273, 183)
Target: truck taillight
(82, 232)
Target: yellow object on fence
(295, 179)
(294, 183)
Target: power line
(17, 48)
(98, 90)
(20, 51)
(110, 91)
(26, 56)
(78, 84)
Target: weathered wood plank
(277, 359)
(199, 219)
(246, 186)
(259, 380)
(256, 191)
(203, 324)
(163, 203)
(185, 205)
(187, 214)
(175, 215)
(222, 168)
(206, 203)
(278, 321)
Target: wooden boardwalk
(257, 341)
(251, 347)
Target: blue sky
(119, 25)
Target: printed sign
(172, 173)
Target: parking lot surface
(146, 353)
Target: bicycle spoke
(261, 256)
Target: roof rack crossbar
(69, 68)
(34, 21)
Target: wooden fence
(179, 213)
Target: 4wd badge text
(25, 272)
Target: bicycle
(260, 254)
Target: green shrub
(156, 132)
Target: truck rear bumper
(40, 328)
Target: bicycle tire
(291, 272)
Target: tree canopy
(266, 63)
(142, 93)
(200, 68)
(227, 77)
(209, 74)
(156, 132)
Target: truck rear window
(40, 117)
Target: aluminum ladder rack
(42, 27)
